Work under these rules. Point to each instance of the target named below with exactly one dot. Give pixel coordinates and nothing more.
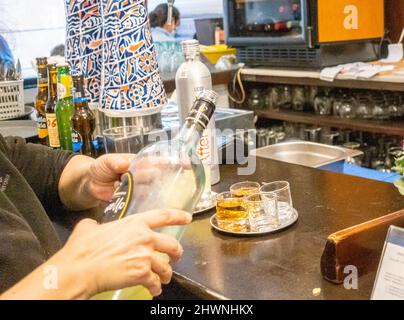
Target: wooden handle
(360, 246)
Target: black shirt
(29, 178)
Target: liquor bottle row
(64, 119)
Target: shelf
(388, 81)
(373, 126)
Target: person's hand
(123, 254)
(104, 175)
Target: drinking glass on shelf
(323, 104)
(262, 211)
(246, 188)
(276, 98)
(286, 97)
(281, 189)
(347, 108)
(298, 98)
(380, 111)
(313, 134)
(311, 94)
(329, 137)
(268, 99)
(364, 107)
(231, 214)
(256, 102)
(393, 105)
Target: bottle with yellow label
(50, 108)
(41, 99)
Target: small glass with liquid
(231, 213)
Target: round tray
(209, 207)
(284, 225)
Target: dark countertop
(285, 265)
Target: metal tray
(308, 154)
(212, 205)
(284, 225)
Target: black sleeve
(20, 250)
(42, 167)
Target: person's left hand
(105, 173)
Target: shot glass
(123, 139)
(242, 189)
(281, 189)
(262, 211)
(231, 214)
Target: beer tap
(170, 4)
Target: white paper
(395, 54)
(389, 283)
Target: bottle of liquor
(50, 108)
(41, 99)
(64, 107)
(177, 181)
(192, 77)
(83, 121)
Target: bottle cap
(191, 49)
(203, 108)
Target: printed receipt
(389, 283)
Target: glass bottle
(64, 107)
(50, 108)
(192, 77)
(41, 99)
(83, 121)
(177, 182)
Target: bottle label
(119, 204)
(53, 132)
(77, 141)
(204, 147)
(64, 87)
(42, 126)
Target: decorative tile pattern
(110, 43)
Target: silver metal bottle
(192, 77)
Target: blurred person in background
(161, 30)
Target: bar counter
(285, 265)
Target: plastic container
(215, 52)
(11, 99)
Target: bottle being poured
(192, 77)
(164, 175)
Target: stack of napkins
(357, 70)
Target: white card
(389, 283)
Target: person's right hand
(123, 254)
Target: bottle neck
(190, 134)
(193, 57)
(52, 86)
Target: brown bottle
(50, 108)
(83, 121)
(41, 99)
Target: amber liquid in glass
(242, 192)
(232, 215)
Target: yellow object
(215, 52)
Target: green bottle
(65, 107)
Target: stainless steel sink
(307, 154)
